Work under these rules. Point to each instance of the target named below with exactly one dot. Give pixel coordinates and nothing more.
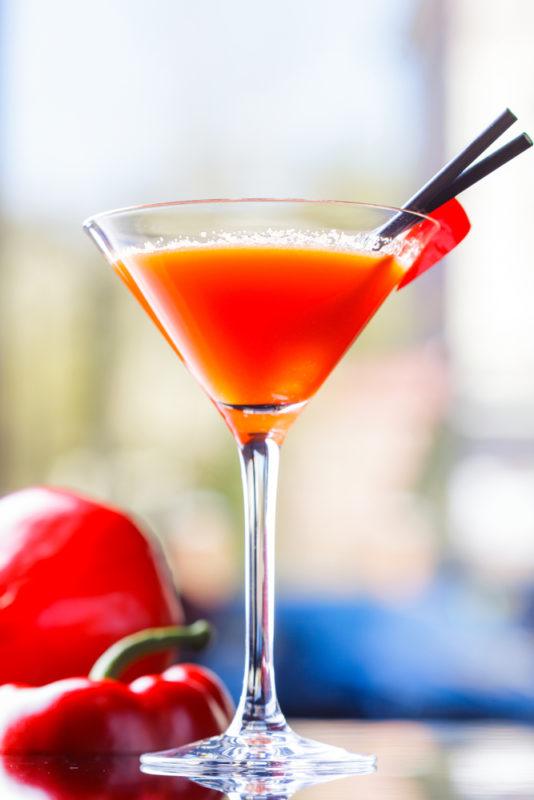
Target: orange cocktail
(260, 327)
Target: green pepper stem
(114, 661)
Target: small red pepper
(75, 576)
(102, 715)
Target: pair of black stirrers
(460, 173)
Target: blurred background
(406, 516)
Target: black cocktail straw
(442, 180)
(482, 168)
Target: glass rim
(95, 218)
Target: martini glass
(259, 299)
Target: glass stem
(258, 708)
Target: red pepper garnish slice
(455, 226)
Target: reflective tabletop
(416, 761)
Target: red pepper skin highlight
(206, 678)
(78, 716)
(75, 576)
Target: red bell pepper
(102, 715)
(75, 576)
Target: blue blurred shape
(442, 655)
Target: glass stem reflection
(258, 708)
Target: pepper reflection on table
(91, 778)
(415, 762)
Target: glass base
(251, 755)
